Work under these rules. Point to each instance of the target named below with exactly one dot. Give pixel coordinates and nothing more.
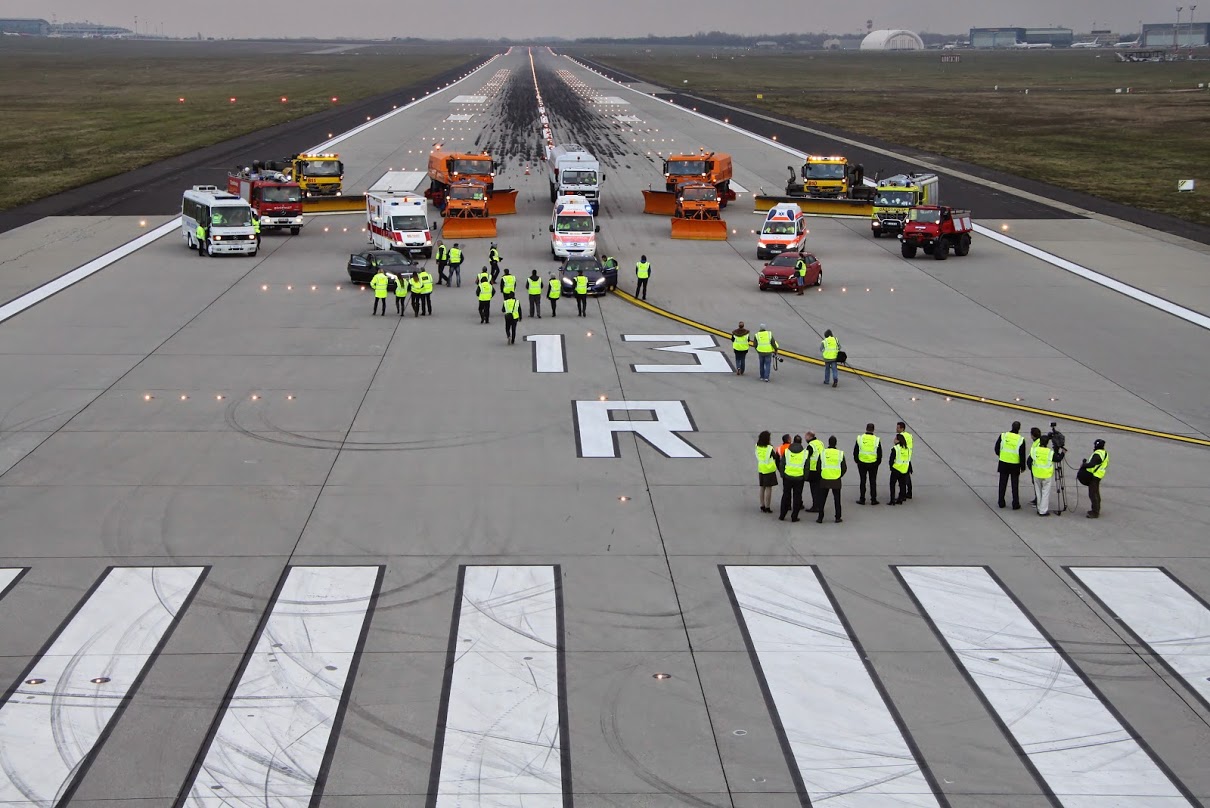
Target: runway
(259, 547)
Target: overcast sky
(524, 18)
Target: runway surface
(261, 548)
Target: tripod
(1061, 488)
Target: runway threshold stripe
(278, 729)
(1162, 614)
(56, 716)
(1073, 741)
(927, 388)
(502, 731)
(842, 739)
(9, 577)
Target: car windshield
(589, 267)
(234, 216)
(699, 194)
(321, 168)
(408, 223)
(785, 260)
(472, 167)
(281, 193)
(390, 259)
(825, 171)
(573, 224)
(894, 199)
(779, 229)
(926, 216)
(467, 192)
(579, 177)
(686, 166)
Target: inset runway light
(181, 100)
(345, 230)
(623, 498)
(255, 397)
(35, 681)
(99, 680)
(775, 137)
(289, 398)
(264, 287)
(661, 676)
(219, 397)
(1018, 398)
(867, 288)
(1004, 227)
(142, 222)
(892, 288)
(184, 397)
(232, 99)
(338, 287)
(313, 287)
(325, 229)
(947, 398)
(844, 289)
(588, 334)
(147, 396)
(284, 99)
(1052, 398)
(602, 398)
(335, 99)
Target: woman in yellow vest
(401, 294)
(901, 459)
(766, 470)
(554, 292)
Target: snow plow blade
(700, 229)
(481, 227)
(812, 206)
(354, 203)
(659, 203)
(502, 202)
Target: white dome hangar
(892, 40)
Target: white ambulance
(573, 228)
(784, 230)
(397, 219)
(227, 219)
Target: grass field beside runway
(1073, 129)
(81, 110)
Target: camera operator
(1046, 465)
(1092, 471)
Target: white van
(399, 222)
(226, 217)
(784, 230)
(573, 228)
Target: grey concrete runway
(249, 416)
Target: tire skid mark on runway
(928, 388)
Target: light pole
(1191, 10)
(1176, 28)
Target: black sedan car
(601, 278)
(364, 265)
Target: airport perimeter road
(259, 547)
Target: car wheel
(819, 278)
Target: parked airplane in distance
(1136, 43)
(1096, 43)
(1033, 46)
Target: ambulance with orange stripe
(398, 218)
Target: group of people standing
(804, 460)
(419, 286)
(767, 352)
(1043, 456)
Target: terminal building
(24, 27)
(1169, 35)
(1008, 37)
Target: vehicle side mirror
(598, 230)
(552, 228)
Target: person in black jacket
(1011, 451)
(868, 446)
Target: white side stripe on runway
(1197, 318)
(550, 353)
(1165, 616)
(270, 746)
(1085, 756)
(501, 737)
(845, 742)
(36, 296)
(67, 698)
(8, 577)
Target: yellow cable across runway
(927, 388)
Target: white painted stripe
(847, 745)
(502, 744)
(549, 353)
(739, 189)
(1076, 745)
(270, 745)
(1160, 612)
(47, 729)
(1062, 263)
(9, 576)
(36, 296)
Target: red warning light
(232, 99)
(334, 99)
(181, 100)
(284, 99)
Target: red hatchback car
(780, 274)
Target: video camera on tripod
(1058, 446)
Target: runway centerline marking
(927, 388)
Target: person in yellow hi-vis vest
(901, 459)
(416, 290)
(1092, 471)
(832, 466)
(401, 294)
(829, 351)
(1042, 463)
(642, 271)
(553, 292)
(512, 314)
(766, 469)
(379, 284)
(533, 285)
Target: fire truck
(275, 198)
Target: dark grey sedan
(364, 265)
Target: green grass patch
(81, 110)
(1072, 129)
